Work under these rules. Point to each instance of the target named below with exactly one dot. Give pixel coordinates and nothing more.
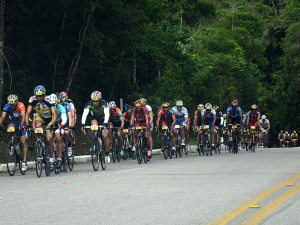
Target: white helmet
(112, 105)
(200, 107)
(179, 103)
(96, 96)
(263, 117)
(12, 99)
(208, 106)
(53, 98)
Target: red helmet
(165, 105)
(64, 96)
(254, 107)
(138, 103)
(234, 103)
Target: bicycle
(200, 147)
(127, 144)
(41, 152)
(13, 153)
(166, 143)
(235, 128)
(114, 145)
(178, 145)
(97, 149)
(264, 138)
(207, 140)
(218, 139)
(252, 139)
(141, 150)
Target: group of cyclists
(286, 139)
(57, 113)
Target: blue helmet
(39, 90)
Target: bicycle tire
(95, 154)
(118, 154)
(39, 159)
(145, 150)
(165, 147)
(11, 159)
(113, 150)
(139, 153)
(101, 155)
(47, 161)
(20, 160)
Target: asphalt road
(190, 190)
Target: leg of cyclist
(182, 133)
(172, 136)
(106, 140)
(60, 146)
(93, 123)
(23, 140)
(69, 140)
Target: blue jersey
(67, 106)
(234, 114)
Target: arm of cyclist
(70, 119)
(157, 122)
(106, 115)
(122, 122)
(2, 117)
(215, 119)
(29, 110)
(174, 121)
(54, 115)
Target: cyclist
(181, 114)
(253, 117)
(265, 125)
(60, 123)
(294, 137)
(234, 115)
(209, 118)
(45, 113)
(139, 117)
(167, 117)
(198, 121)
(16, 112)
(70, 121)
(219, 120)
(150, 118)
(245, 129)
(281, 137)
(287, 138)
(116, 120)
(100, 115)
(65, 98)
(127, 115)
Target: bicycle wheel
(47, 161)
(126, 148)
(20, 161)
(118, 154)
(165, 147)
(145, 151)
(65, 162)
(113, 150)
(101, 154)
(71, 162)
(139, 153)
(39, 159)
(95, 154)
(11, 159)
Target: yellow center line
(266, 210)
(245, 205)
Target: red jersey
(140, 117)
(127, 115)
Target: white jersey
(180, 115)
(211, 115)
(149, 108)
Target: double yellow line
(266, 210)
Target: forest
(198, 51)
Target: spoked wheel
(165, 147)
(47, 161)
(145, 155)
(113, 150)
(102, 160)
(181, 151)
(139, 152)
(39, 159)
(71, 162)
(95, 152)
(11, 159)
(65, 162)
(20, 160)
(118, 154)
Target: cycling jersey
(198, 114)
(264, 124)
(102, 116)
(127, 115)
(253, 117)
(209, 117)
(14, 114)
(149, 108)
(180, 115)
(219, 119)
(115, 116)
(281, 135)
(167, 117)
(287, 136)
(232, 113)
(294, 135)
(67, 106)
(43, 109)
(140, 117)
(61, 115)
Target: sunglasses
(179, 107)
(94, 101)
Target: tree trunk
(117, 75)
(134, 74)
(2, 8)
(75, 61)
(58, 53)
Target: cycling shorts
(16, 124)
(115, 123)
(180, 121)
(235, 120)
(209, 121)
(46, 121)
(99, 119)
(141, 124)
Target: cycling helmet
(244, 115)
(254, 107)
(286, 132)
(179, 103)
(112, 105)
(216, 107)
(129, 109)
(138, 103)
(125, 107)
(144, 101)
(165, 105)
(208, 106)
(59, 98)
(263, 117)
(224, 115)
(200, 107)
(12, 99)
(281, 131)
(64, 96)
(234, 103)
(53, 98)
(39, 90)
(96, 96)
